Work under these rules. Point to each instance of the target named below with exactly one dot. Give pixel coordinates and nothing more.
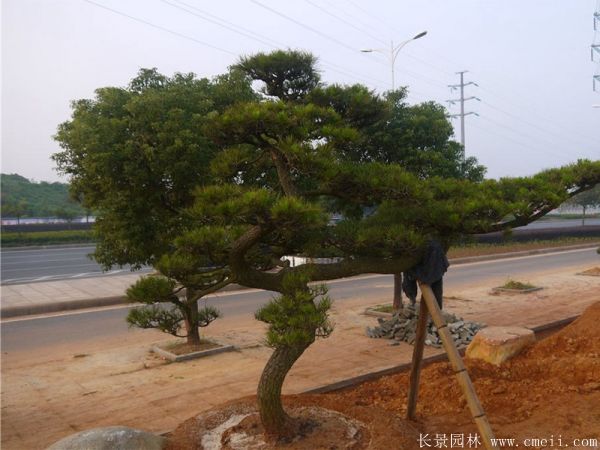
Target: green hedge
(46, 238)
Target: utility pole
(595, 47)
(462, 101)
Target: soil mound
(559, 373)
(236, 426)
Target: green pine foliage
(298, 315)
(213, 189)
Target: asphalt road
(37, 333)
(47, 264)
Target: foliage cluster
(24, 198)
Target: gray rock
(403, 324)
(110, 438)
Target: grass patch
(382, 308)
(474, 249)
(35, 238)
(517, 285)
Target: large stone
(497, 344)
(110, 438)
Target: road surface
(51, 263)
(34, 333)
(47, 264)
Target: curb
(540, 251)
(65, 305)
(69, 305)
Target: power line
(554, 123)
(508, 138)
(543, 130)
(310, 2)
(217, 21)
(159, 27)
(303, 25)
(337, 41)
(520, 133)
(259, 37)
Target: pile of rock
(402, 326)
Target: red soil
(552, 389)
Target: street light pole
(394, 53)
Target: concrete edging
(194, 355)
(65, 305)
(68, 305)
(540, 331)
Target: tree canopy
(135, 154)
(269, 174)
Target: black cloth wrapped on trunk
(430, 270)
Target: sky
(530, 59)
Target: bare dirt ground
(49, 394)
(551, 389)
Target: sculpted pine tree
(283, 172)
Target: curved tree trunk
(190, 314)
(275, 420)
(397, 303)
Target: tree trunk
(276, 422)
(397, 303)
(190, 314)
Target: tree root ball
(236, 426)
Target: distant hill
(23, 198)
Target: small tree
(588, 199)
(185, 277)
(66, 214)
(184, 314)
(17, 209)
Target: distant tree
(134, 155)
(417, 137)
(15, 209)
(42, 199)
(66, 214)
(587, 199)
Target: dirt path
(117, 382)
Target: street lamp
(394, 52)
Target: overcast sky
(531, 60)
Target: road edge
(69, 305)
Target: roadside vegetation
(36, 238)
(517, 285)
(475, 249)
(458, 251)
(24, 198)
